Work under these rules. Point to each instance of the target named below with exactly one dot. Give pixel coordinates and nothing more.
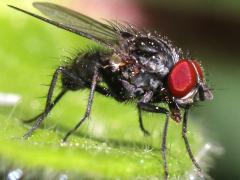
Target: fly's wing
(75, 22)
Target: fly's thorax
(154, 54)
(138, 85)
(135, 79)
(147, 81)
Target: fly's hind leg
(145, 132)
(49, 103)
(48, 107)
(89, 105)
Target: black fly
(139, 66)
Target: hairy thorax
(141, 66)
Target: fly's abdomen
(72, 83)
(83, 67)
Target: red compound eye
(183, 78)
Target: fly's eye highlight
(199, 69)
(183, 78)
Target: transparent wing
(75, 22)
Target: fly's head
(186, 83)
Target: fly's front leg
(146, 98)
(89, 105)
(184, 135)
(156, 109)
(145, 132)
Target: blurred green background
(29, 51)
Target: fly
(138, 66)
